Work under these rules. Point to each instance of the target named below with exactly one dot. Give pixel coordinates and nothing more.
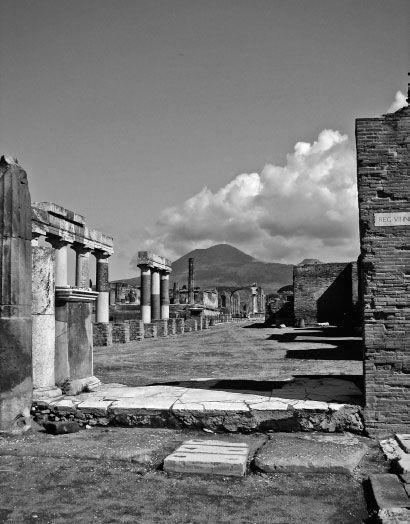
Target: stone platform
(299, 404)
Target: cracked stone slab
(132, 406)
(212, 457)
(314, 452)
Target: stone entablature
(51, 219)
(153, 261)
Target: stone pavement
(302, 403)
(391, 491)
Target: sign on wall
(392, 219)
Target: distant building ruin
(326, 292)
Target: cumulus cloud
(399, 102)
(306, 208)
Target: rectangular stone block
(388, 491)
(209, 457)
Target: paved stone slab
(315, 452)
(404, 440)
(131, 406)
(209, 457)
(95, 406)
(388, 491)
(404, 463)
(394, 516)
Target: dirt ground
(231, 351)
(72, 479)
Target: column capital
(100, 254)
(58, 242)
(81, 249)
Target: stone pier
(44, 323)
(15, 297)
(384, 210)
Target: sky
(175, 125)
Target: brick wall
(326, 293)
(384, 187)
(102, 334)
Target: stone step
(215, 410)
(208, 457)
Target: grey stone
(388, 491)
(212, 457)
(315, 452)
(15, 297)
(61, 428)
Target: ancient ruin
(15, 295)
(326, 292)
(384, 194)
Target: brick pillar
(164, 296)
(384, 212)
(15, 297)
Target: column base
(79, 385)
(46, 392)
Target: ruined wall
(325, 292)
(384, 194)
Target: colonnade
(155, 272)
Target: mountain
(225, 265)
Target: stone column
(145, 294)
(103, 287)
(191, 281)
(165, 296)
(15, 298)
(155, 295)
(82, 265)
(60, 246)
(43, 317)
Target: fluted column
(164, 296)
(82, 265)
(15, 297)
(155, 295)
(145, 294)
(102, 286)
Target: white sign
(392, 219)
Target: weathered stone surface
(43, 312)
(310, 453)
(15, 295)
(60, 428)
(394, 516)
(209, 457)
(388, 491)
(404, 441)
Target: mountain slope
(225, 265)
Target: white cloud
(399, 102)
(307, 208)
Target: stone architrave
(15, 297)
